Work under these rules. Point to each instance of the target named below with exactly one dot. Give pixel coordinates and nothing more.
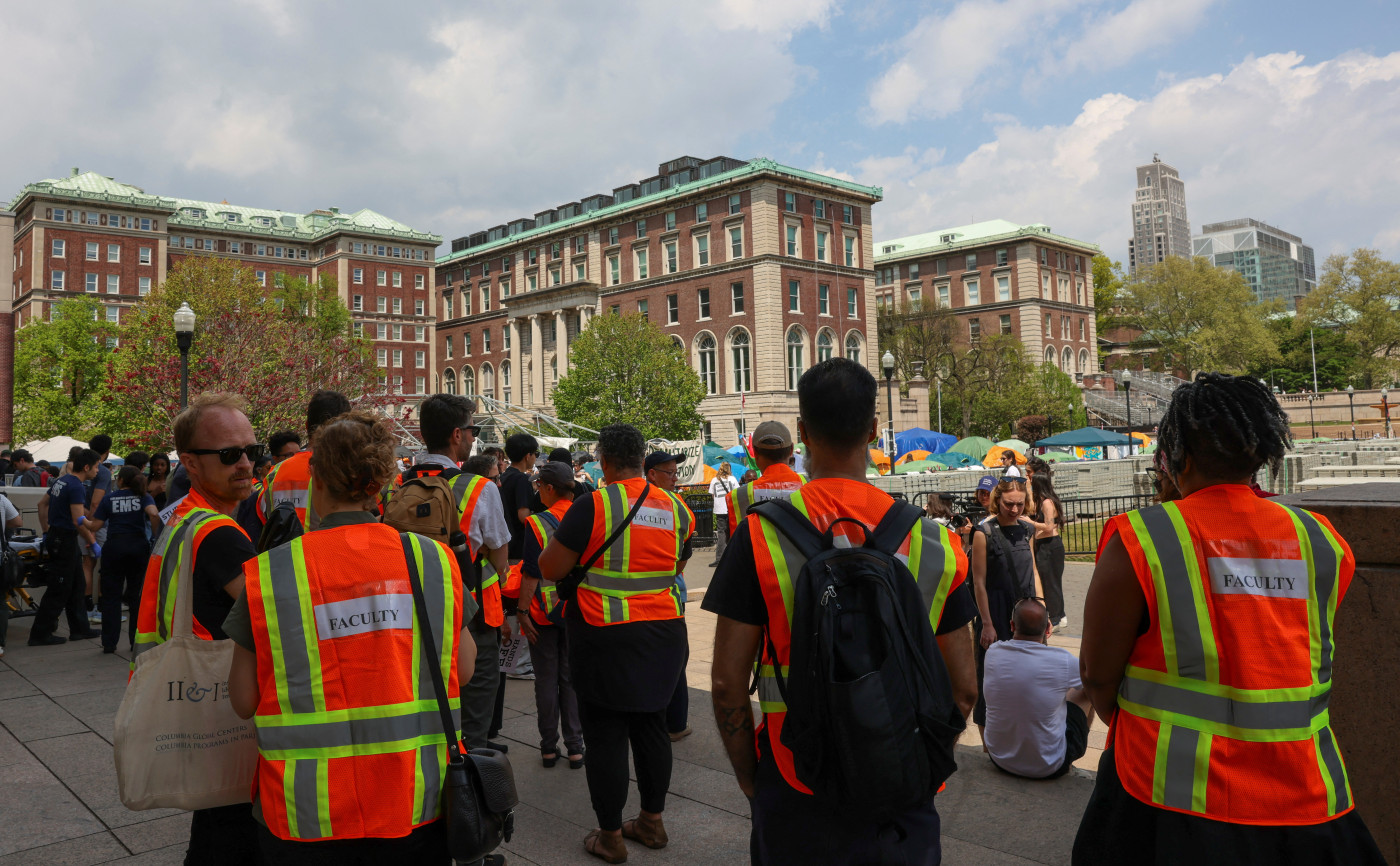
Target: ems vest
(186, 529)
(635, 578)
(773, 484)
(290, 481)
(933, 555)
(467, 488)
(350, 740)
(546, 592)
(1223, 706)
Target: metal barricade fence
(1084, 516)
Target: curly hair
(1230, 426)
(353, 455)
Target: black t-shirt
(516, 492)
(735, 592)
(64, 492)
(219, 560)
(124, 514)
(629, 668)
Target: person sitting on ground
(1038, 714)
(772, 451)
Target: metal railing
(1084, 516)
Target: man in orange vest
(772, 451)
(290, 480)
(445, 421)
(217, 447)
(626, 633)
(751, 595)
(1208, 645)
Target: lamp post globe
(184, 337)
(887, 363)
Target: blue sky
(453, 117)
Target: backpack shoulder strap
(895, 526)
(791, 523)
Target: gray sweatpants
(479, 693)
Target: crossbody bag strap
(454, 754)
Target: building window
(92, 251)
(418, 281)
(262, 278)
(1068, 363)
(398, 279)
(505, 337)
(419, 307)
(970, 262)
(853, 348)
(670, 221)
(792, 240)
(358, 276)
(642, 308)
(794, 296)
(709, 371)
(739, 354)
(1049, 332)
(641, 228)
(1083, 361)
(641, 263)
(847, 214)
(818, 208)
(702, 302)
(736, 291)
(673, 309)
(702, 212)
(736, 243)
(381, 278)
(578, 245)
(554, 250)
(1003, 288)
(734, 208)
(851, 303)
(398, 306)
(580, 272)
(381, 357)
(1006, 323)
(671, 257)
(381, 331)
(357, 303)
(614, 270)
(612, 236)
(447, 348)
(850, 251)
(420, 358)
(59, 248)
(1001, 258)
(823, 300)
(1050, 356)
(381, 304)
(941, 268)
(702, 250)
(974, 292)
(1083, 327)
(974, 330)
(144, 255)
(1079, 292)
(1045, 286)
(943, 300)
(485, 297)
(485, 340)
(795, 350)
(824, 346)
(915, 296)
(531, 257)
(555, 276)
(466, 345)
(821, 246)
(56, 280)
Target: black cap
(560, 455)
(656, 458)
(560, 476)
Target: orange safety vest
(635, 578)
(546, 592)
(778, 481)
(290, 481)
(1222, 711)
(350, 739)
(934, 556)
(185, 530)
(468, 488)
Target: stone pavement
(58, 795)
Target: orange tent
(912, 455)
(993, 457)
(881, 461)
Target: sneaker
(677, 736)
(85, 635)
(95, 617)
(51, 640)
(1064, 622)
(500, 747)
(2, 652)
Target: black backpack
(871, 720)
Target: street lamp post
(1351, 403)
(887, 362)
(1071, 417)
(1385, 410)
(184, 336)
(1128, 404)
(1312, 420)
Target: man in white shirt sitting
(1038, 713)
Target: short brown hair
(353, 455)
(187, 422)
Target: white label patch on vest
(359, 615)
(762, 493)
(298, 498)
(1275, 578)
(655, 518)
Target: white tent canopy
(54, 450)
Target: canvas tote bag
(178, 742)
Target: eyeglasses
(671, 472)
(229, 456)
(1155, 474)
(474, 429)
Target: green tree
(60, 369)
(1358, 296)
(1109, 280)
(1336, 357)
(627, 370)
(1199, 317)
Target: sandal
(650, 832)
(576, 763)
(550, 760)
(594, 843)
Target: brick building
(756, 269)
(91, 236)
(1003, 278)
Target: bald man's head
(1030, 619)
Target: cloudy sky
(453, 117)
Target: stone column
(516, 397)
(536, 359)
(583, 316)
(561, 341)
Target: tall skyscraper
(1160, 226)
(1276, 264)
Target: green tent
(918, 466)
(1014, 444)
(714, 453)
(1057, 457)
(975, 447)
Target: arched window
(505, 382)
(1083, 361)
(825, 342)
(488, 381)
(1050, 355)
(468, 381)
(739, 353)
(709, 363)
(449, 381)
(796, 357)
(680, 344)
(853, 346)
(1068, 363)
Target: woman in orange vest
(1208, 646)
(332, 666)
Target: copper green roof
(755, 166)
(215, 216)
(961, 237)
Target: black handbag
(568, 587)
(479, 789)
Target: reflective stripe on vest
(306, 735)
(612, 578)
(1188, 700)
(177, 542)
(277, 488)
(546, 592)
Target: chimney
(75, 172)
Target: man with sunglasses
(217, 447)
(1038, 714)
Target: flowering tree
(274, 350)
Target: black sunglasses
(474, 428)
(229, 456)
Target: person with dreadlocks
(1208, 647)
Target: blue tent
(919, 439)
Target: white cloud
(1308, 148)
(774, 16)
(1108, 41)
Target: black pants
(223, 835)
(123, 572)
(678, 711)
(426, 845)
(608, 733)
(66, 588)
(1050, 562)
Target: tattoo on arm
(735, 720)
